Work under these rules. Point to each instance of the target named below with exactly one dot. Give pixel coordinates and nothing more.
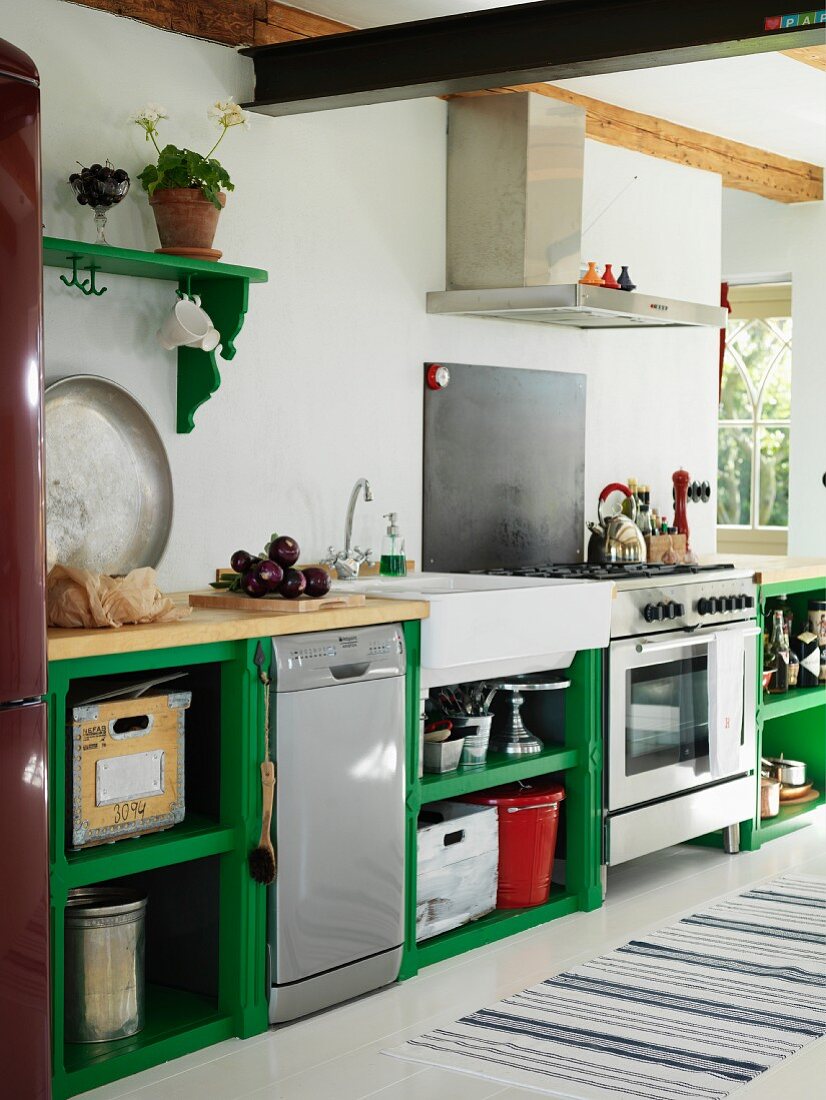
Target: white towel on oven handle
(725, 702)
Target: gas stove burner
(603, 571)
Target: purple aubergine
(271, 574)
(293, 584)
(284, 551)
(252, 584)
(318, 581)
(241, 560)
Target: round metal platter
(108, 481)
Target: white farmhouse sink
(481, 626)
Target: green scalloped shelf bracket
(223, 289)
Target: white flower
(149, 115)
(227, 114)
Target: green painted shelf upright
(180, 1017)
(578, 761)
(222, 288)
(793, 725)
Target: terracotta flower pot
(186, 222)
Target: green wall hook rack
(86, 286)
(222, 288)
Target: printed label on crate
(799, 19)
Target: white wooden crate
(458, 867)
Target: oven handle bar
(703, 639)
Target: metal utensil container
(104, 960)
(443, 756)
(476, 729)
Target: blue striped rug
(693, 1011)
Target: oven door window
(666, 714)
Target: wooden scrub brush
(262, 863)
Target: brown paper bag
(79, 598)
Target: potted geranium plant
(187, 190)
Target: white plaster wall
(346, 211)
(762, 237)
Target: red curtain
(724, 302)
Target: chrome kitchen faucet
(347, 562)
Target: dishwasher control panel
(329, 657)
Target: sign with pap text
(801, 19)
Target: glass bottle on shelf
(778, 656)
(644, 520)
(630, 506)
(781, 603)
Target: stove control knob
(679, 610)
(652, 612)
(727, 603)
(707, 606)
(671, 610)
(748, 602)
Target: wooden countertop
(204, 626)
(772, 570)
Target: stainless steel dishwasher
(336, 909)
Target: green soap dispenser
(393, 556)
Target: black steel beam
(545, 40)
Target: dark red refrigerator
(25, 1061)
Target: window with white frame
(754, 422)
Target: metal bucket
(104, 956)
(477, 736)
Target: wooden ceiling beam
(228, 22)
(809, 55)
(264, 22)
(743, 167)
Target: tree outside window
(754, 422)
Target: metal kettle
(616, 538)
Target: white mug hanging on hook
(188, 325)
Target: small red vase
(608, 280)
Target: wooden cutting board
(274, 605)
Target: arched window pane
(757, 345)
(735, 400)
(774, 477)
(735, 450)
(777, 393)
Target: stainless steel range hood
(514, 222)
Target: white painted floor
(336, 1054)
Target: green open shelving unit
(793, 724)
(222, 288)
(179, 1019)
(579, 761)
(498, 769)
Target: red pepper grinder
(681, 481)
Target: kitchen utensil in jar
(109, 494)
(476, 729)
(615, 537)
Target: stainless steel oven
(658, 721)
(673, 770)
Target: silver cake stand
(516, 739)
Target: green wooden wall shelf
(223, 289)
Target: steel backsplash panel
(504, 469)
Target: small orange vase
(591, 276)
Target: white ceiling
(766, 100)
(377, 13)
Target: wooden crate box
(127, 767)
(458, 865)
